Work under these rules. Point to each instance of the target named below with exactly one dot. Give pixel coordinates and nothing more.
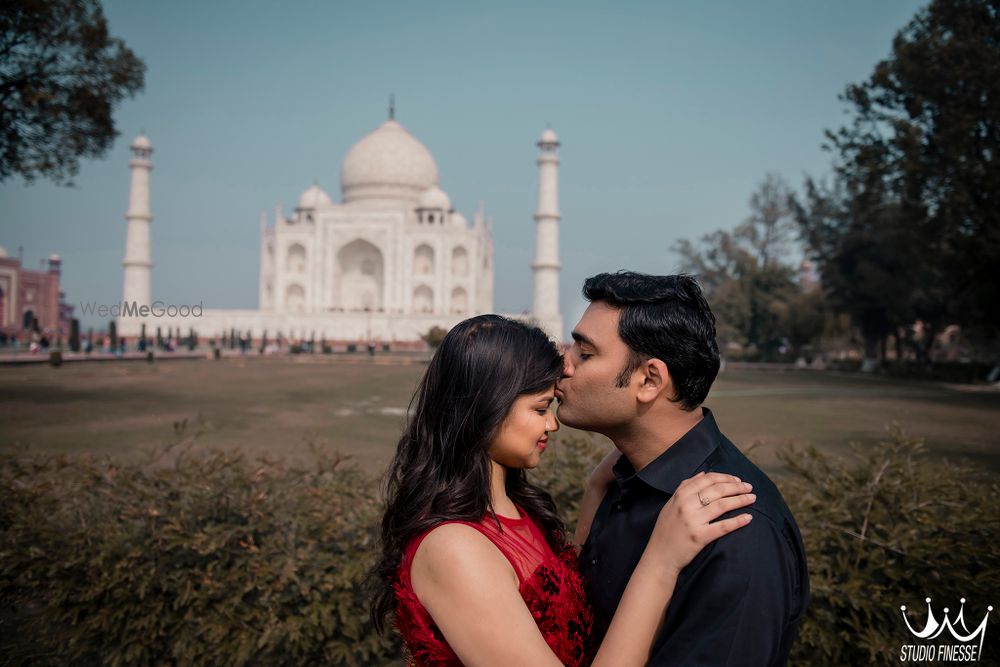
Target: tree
(929, 116)
(742, 271)
(866, 262)
(767, 233)
(61, 76)
(768, 230)
(801, 318)
(434, 336)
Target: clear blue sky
(669, 114)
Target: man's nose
(567, 366)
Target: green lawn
(279, 405)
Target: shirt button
(593, 561)
(618, 506)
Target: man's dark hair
(666, 318)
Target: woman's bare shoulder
(453, 553)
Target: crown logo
(957, 627)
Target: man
(643, 359)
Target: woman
(475, 563)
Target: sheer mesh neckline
(510, 521)
(520, 540)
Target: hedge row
(212, 560)
(890, 526)
(217, 559)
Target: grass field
(279, 405)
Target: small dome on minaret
(141, 147)
(548, 137)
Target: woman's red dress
(549, 583)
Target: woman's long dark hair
(441, 470)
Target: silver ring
(704, 503)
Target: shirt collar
(680, 461)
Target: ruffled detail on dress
(554, 594)
(425, 645)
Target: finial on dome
(392, 106)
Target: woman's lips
(542, 443)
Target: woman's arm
(472, 592)
(682, 529)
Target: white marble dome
(389, 163)
(141, 141)
(458, 220)
(435, 197)
(314, 197)
(548, 137)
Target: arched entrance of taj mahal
(360, 277)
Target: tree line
(904, 234)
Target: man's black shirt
(740, 601)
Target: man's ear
(654, 381)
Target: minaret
(137, 262)
(545, 308)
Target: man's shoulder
(766, 549)
(773, 528)
(729, 459)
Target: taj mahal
(389, 261)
